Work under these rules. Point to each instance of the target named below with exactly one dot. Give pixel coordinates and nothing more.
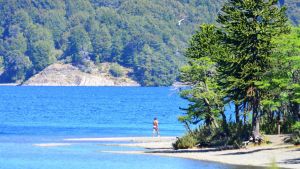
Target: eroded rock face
(68, 75)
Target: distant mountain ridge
(147, 36)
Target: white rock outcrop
(59, 74)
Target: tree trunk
(246, 110)
(245, 118)
(296, 110)
(224, 123)
(187, 127)
(255, 117)
(237, 115)
(215, 123)
(278, 123)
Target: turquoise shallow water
(88, 156)
(31, 115)
(99, 111)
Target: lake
(31, 115)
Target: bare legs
(155, 133)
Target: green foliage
(41, 54)
(208, 137)
(15, 43)
(104, 31)
(80, 45)
(251, 48)
(101, 41)
(116, 70)
(296, 127)
(211, 137)
(288, 58)
(55, 21)
(185, 142)
(280, 100)
(110, 31)
(205, 95)
(41, 47)
(245, 62)
(16, 65)
(296, 133)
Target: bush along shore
(248, 62)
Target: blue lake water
(31, 115)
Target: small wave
(52, 144)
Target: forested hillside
(148, 36)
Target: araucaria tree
(233, 64)
(205, 95)
(249, 26)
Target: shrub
(234, 135)
(296, 133)
(231, 135)
(185, 142)
(208, 137)
(116, 70)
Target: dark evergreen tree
(249, 27)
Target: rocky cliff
(60, 74)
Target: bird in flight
(179, 22)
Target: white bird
(179, 22)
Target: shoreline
(21, 85)
(285, 155)
(10, 84)
(219, 156)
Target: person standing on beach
(155, 127)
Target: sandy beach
(285, 155)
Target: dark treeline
(148, 36)
(249, 61)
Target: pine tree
(249, 26)
(206, 96)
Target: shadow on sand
(184, 151)
(292, 161)
(249, 152)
